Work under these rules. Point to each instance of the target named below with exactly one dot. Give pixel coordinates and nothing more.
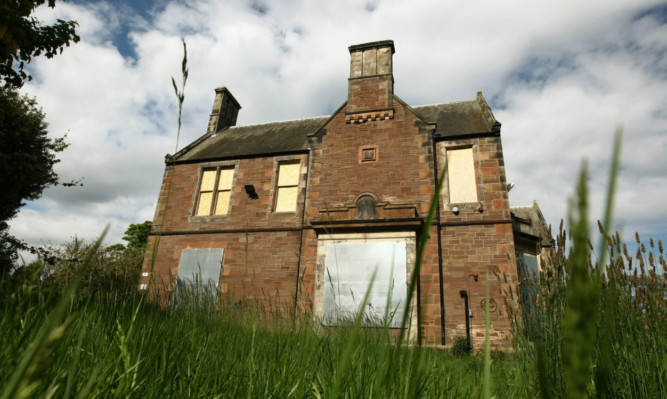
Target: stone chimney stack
(225, 111)
(370, 94)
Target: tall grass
(596, 324)
(110, 347)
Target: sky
(560, 76)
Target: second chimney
(225, 111)
(370, 94)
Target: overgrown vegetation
(113, 269)
(625, 353)
(595, 324)
(63, 342)
(107, 345)
(118, 346)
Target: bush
(460, 347)
(111, 269)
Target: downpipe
(464, 295)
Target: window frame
(365, 148)
(189, 280)
(277, 186)
(323, 241)
(350, 265)
(215, 191)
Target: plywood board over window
(461, 176)
(215, 191)
(206, 192)
(199, 270)
(224, 191)
(349, 270)
(287, 187)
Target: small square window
(368, 154)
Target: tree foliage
(115, 268)
(27, 157)
(110, 269)
(136, 236)
(23, 37)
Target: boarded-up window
(287, 187)
(199, 270)
(349, 268)
(215, 191)
(461, 174)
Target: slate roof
(461, 118)
(265, 139)
(458, 119)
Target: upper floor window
(461, 176)
(215, 191)
(287, 186)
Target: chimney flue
(371, 84)
(225, 111)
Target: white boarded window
(349, 267)
(287, 187)
(199, 269)
(215, 191)
(461, 176)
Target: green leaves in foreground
(583, 295)
(580, 323)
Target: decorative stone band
(362, 117)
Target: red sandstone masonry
(262, 252)
(274, 255)
(403, 175)
(258, 268)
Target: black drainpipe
(464, 295)
(437, 218)
(303, 222)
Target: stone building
(299, 214)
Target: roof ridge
(283, 121)
(451, 102)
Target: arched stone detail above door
(366, 206)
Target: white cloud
(559, 75)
